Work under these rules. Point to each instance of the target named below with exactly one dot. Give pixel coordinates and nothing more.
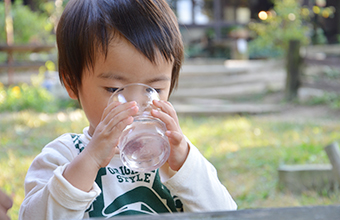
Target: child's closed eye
(157, 90)
(110, 89)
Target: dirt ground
(304, 112)
(295, 111)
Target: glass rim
(133, 84)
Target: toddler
(104, 45)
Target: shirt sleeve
(48, 194)
(198, 187)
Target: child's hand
(5, 204)
(179, 146)
(83, 169)
(115, 118)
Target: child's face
(124, 65)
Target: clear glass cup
(143, 145)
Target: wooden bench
(301, 213)
(316, 177)
(333, 154)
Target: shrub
(33, 97)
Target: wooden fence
(11, 65)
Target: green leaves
(31, 97)
(16, 98)
(287, 21)
(29, 26)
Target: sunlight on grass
(216, 136)
(246, 152)
(13, 171)
(22, 136)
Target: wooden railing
(12, 64)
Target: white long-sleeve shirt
(117, 189)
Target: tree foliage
(28, 26)
(288, 20)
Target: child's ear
(70, 92)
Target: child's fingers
(5, 202)
(121, 117)
(167, 108)
(179, 150)
(115, 109)
(3, 215)
(117, 126)
(167, 119)
(175, 138)
(119, 121)
(109, 108)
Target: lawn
(246, 150)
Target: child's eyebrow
(157, 79)
(109, 75)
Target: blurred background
(259, 94)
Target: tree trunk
(294, 68)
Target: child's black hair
(87, 27)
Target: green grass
(22, 136)
(245, 150)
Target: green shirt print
(126, 192)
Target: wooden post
(294, 67)
(9, 39)
(217, 19)
(193, 2)
(333, 153)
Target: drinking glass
(143, 145)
